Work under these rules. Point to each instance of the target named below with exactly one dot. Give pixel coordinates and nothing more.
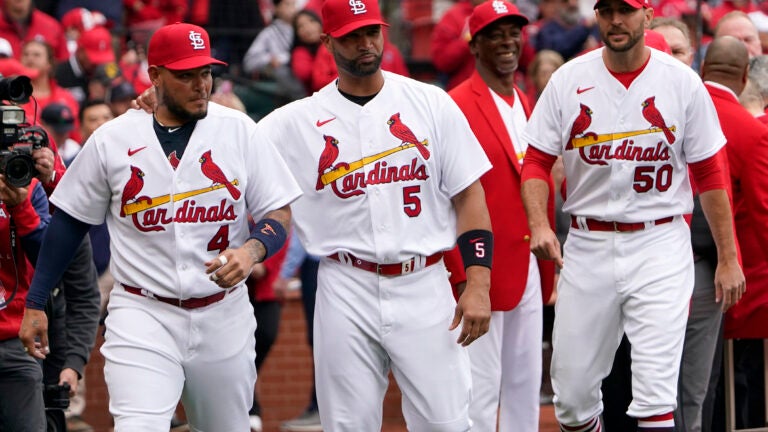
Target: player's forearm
(471, 210)
(534, 193)
(62, 238)
(717, 210)
(269, 234)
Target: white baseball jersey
(379, 179)
(165, 223)
(625, 153)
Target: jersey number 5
(411, 202)
(648, 177)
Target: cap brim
(100, 57)
(341, 31)
(12, 67)
(521, 19)
(62, 128)
(193, 63)
(632, 3)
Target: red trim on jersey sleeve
(710, 173)
(537, 164)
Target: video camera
(17, 137)
(56, 396)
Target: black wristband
(476, 247)
(271, 234)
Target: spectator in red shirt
(38, 57)
(307, 29)
(94, 48)
(77, 21)
(450, 43)
(20, 22)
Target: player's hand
(545, 245)
(146, 101)
(234, 265)
(44, 163)
(10, 195)
(69, 376)
(474, 306)
(729, 283)
(34, 326)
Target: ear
(154, 75)
(745, 76)
(325, 39)
(648, 16)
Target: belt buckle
(615, 226)
(407, 266)
(147, 294)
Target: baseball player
(389, 168)
(176, 190)
(628, 120)
(497, 112)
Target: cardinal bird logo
(173, 159)
(404, 134)
(652, 114)
(132, 188)
(327, 158)
(580, 125)
(213, 172)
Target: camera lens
(19, 170)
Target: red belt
(598, 225)
(190, 303)
(396, 269)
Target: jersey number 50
(648, 177)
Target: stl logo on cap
(180, 46)
(499, 7)
(357, 6)
(197, 40)
(341, 17)
(489, 12)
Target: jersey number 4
(220, 240)
(647, 177)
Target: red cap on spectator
(637, 4)
(655, 40)
(343, 16)
(97, 44)
(180, 46)
(489, 11)
(82, 19)
(12, 67)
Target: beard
(180, 112)
(634, 38)
(356, 68)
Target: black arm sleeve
(60, 243)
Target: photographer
(23, 219)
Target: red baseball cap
(488, 12)
(655, 40)
(180, 46)
(637, 4)
(12, 67)
(343, 16)
(97, 44)
(82, 19)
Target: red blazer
(747, 151)
(511, 250)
